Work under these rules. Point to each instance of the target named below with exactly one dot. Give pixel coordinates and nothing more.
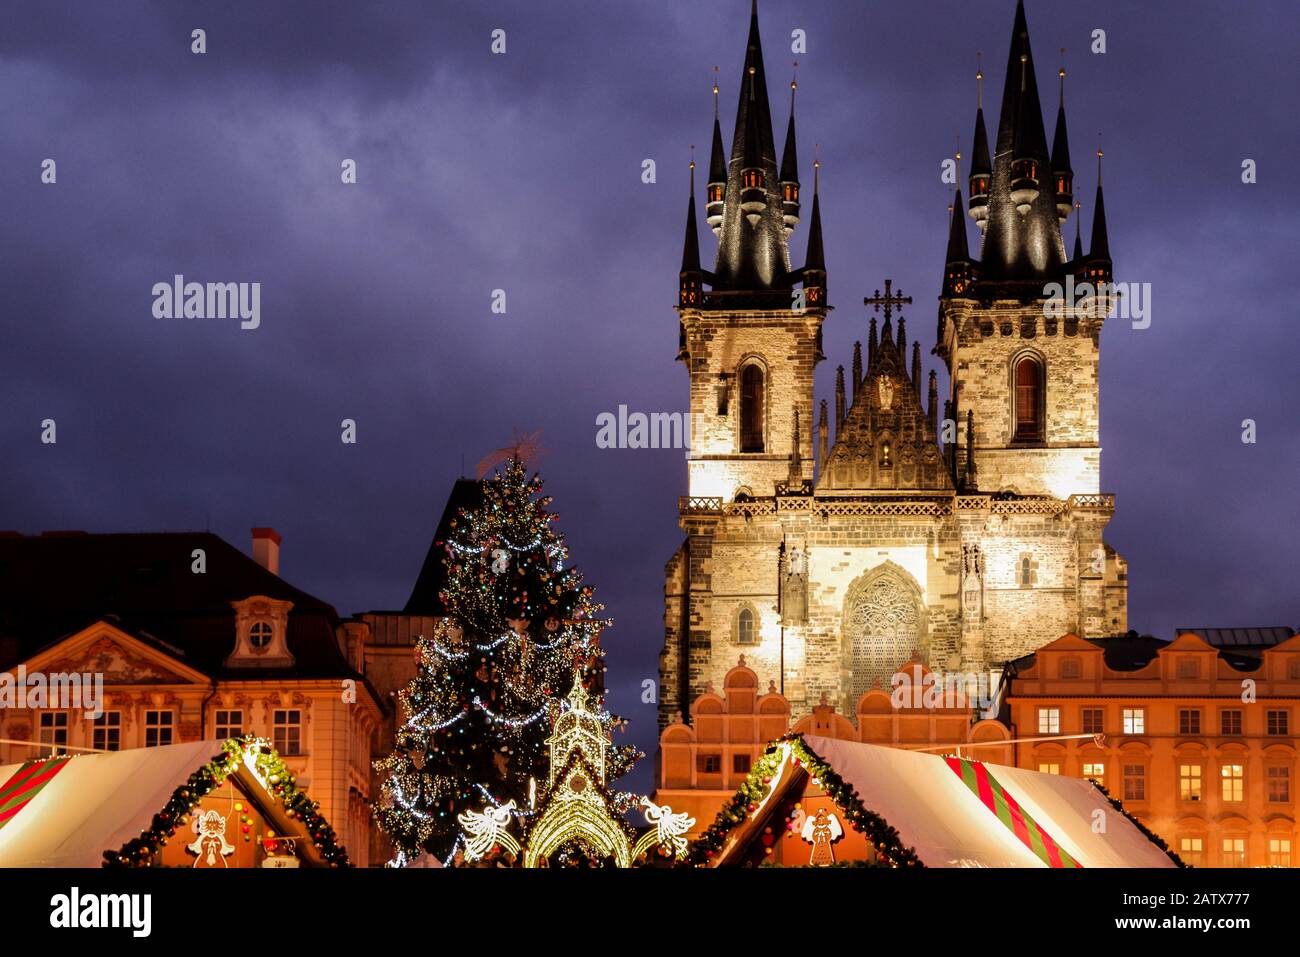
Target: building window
(106, 733)
(1279, 852)
(1189, 668)
(1234, 852)
(1278, 779)
(1135, 721)
(260, 634)
(1135, 782)
(708, 763)
(1293, 669)
(1192, 851)
(286, 730)
(1278, 723)
(1189, 782)
(1189, 721)
(740, 763)
(1070, 667)
(1093, 720)
(229, 723)
(1234, 782)
(158, 727)
(1029, 400)
(1095, 772)
(1230, 723)
(1026, 570)
(745, 627)
(1049, 767)
(1049, 720)
(53, 731)
(751, 408)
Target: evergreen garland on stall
(270, 769)
(884, 838)
(1151, 835)
(519, 624)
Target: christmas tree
(492, 678)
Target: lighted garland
(883, 838)
(269, 768)
(1151, 835)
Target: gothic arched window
(751, 408)
(745, 627)
(1028, 382)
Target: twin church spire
(1022, 194)
(752, 205)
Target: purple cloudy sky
(522, 172)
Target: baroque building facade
(965, 535)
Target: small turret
(789, 176)
(814, 270)
(1099, 264)
(1024, 164)
(857, 371)
(981, 169)
(1061, 172)
(717, 186)
(691, 277)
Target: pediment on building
(121, 658)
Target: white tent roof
(96, 804)
(947, 824)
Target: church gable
(886, 440)
(120, 658)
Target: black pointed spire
(958, 250)
(1099, 249)
(933, 407)
(717, 184)
(857, 370)
(902, 342)
(822, 439)
(981, 167)
(839, 401)
(790, 172)
(871, 342)
(751, 250)
(690, 279)
(1023, 238)
(1078, 231)
(1062, 173)
(916, 367)
(814, 270)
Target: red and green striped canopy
(1007, 809)
(25, 784)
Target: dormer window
(261, 633)
(753, 179)
(715, 192)
(791, 192)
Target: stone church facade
(967, 534)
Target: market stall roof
(947, 810)
(91, 803)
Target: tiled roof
(1241, 637)
(52, 586)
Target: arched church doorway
(884, 626)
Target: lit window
(1049, 720)
(53, 731)
(745, 627)
(1192, 851)
(1135, 721)
(1189, 721)
(1279, 852)
(1189, 782)
(1049, 767)
(1093, 721)
(1278, 779)
(1278, 723)
(1095, 772)
(158, 727)
(886, 455)
(229, 723)
(1029, 400)
(1234, 852)
(259, 635)
(106, 734)
(1230, 723)
(751, 408)
(1234, 784)
(1135, 782)
(286, 730)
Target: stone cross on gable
(889, 300)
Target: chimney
(266, 549)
